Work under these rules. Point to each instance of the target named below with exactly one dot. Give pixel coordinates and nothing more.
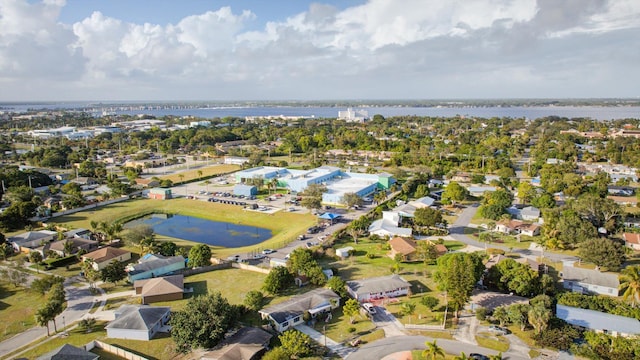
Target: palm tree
(630, 284)
(67, 247)
(199, 174)
(462, 356)
(496, 357)
(432, 351)
(539, 317)
(408, 309)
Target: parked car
(301, 237)
(498, 330)
(369, 308)
(235, 258)
(268, 251)
(259, 256)
(477, 356)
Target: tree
(277, 280)
(338, 286)
(430, 302)
(500, 313)
(354, 233)
(630, 284)
(427, 217)
(203, 322)
(168, 248)
(199, 255)
(42, 285)
(539, 316)
(68, 247)
(254, 300)
(432, 351)
(113, 272)
(456, 274)
(136, 234)
(43, 315)
(277, 353)
(518, 314)
(311, 202)
(462, 356)
(297, 344)
(351, 308)
(408, 309)
(5, 250)
(603, 252)
(87, 324)
(351, 199)
(526, 192)
(35, 257)
(454, 192)
(15, 277)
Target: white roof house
(589, 281)
(378, 288)
(599, 321)
(385, 227)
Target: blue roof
(596, 320)
(330, 216)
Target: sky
(169, 50)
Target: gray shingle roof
(297, 305)
(378, 284)
(155, 264)
(68, 352)
(596, 320)
(587, 276)
(132, 317)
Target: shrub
(494, 251)
(481, 314)
(351, 330)
(371, 256)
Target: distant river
(529, 112)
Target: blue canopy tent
(330, 216)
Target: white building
(351, 115)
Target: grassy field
(17, 309)
(489, 341)
(286, 226)
(233, 284)
(193, 174)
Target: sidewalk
(336, 348)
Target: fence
(113, 350)
(423, 327)
(250, 268)
(204, 269)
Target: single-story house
(517, 227)
(632, 240)
(160, 289)
(378, 288)
(102, 257)
(288, 314)
(480, 190)
(273, 262)
(589, 281)
(245, 190)
(248, 343)
(147, 183)
(155, 266)
(79, 233)
(68, 352)
(31, 240)
(344, 252)
(138, 322)
(160, 194)
(405, 248)
(77, 244)
(389, 226)
(600, 322)
(620, 190)
(528, 213)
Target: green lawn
(286, 226)
(17, 308)
(189, 175)
(233, 284)
(489, 341)
(338, 328)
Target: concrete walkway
(336, 348)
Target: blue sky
(66, 50)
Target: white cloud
(382, 48)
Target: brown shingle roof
(161, 286)
(105, 254)
(631, 238)
(403, 246)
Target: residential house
(31, 240)
(528, 213)
(155, 266)
(404, 248)
(79, 233)
(389, 226)
(68, 352)
(139, 322)
(598, 321)
(248, 343)
(480, 190)
(620, 190)
(632, 240)
(85, 180)
(103, 257)
(288, 314)
(77, 244)
(147, 183)
(517, 227)
(166, 288)
(378, 288)
(589, 281)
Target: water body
(203, 231)
(528, 112)
(593, 112)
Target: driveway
(384, 320)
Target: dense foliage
(599, 303)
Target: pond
(203, 231)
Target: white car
(268, 251)
(369, 308)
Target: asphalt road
(456, 231)
(388, 346)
